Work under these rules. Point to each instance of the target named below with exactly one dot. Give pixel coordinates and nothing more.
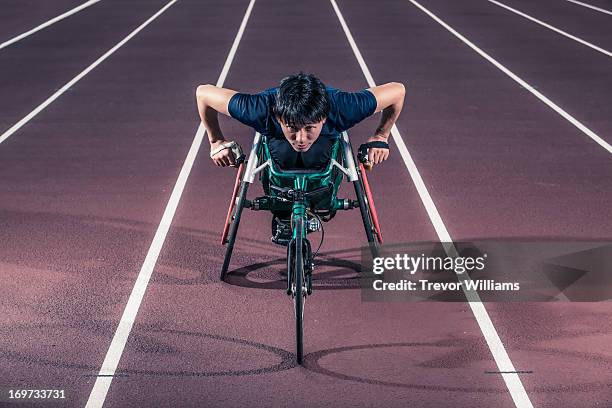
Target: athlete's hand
(224, 156)
(377, 155)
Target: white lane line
(77, 78)
(553, 28)
(591, 7)
(521, 82)
(115, 350)
(504, 364)
(48, 23)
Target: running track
(84, 185)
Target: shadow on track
(142, 340)
(312, 362)
(344, 274)
(457, 353)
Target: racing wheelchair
(300, 200)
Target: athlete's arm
(211, 100)
(389, 100)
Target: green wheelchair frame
(302, 193)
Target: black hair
(301, 100)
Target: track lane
(453, 113)
(48, 23)
(505, 366)
(501, 165)
(575, 77)
(591, 26)
(19, 16)
(231, 343)
(594, 6)
(606, 4)
(36, 67)
(83, 189)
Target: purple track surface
(84, 184)
(19, 16)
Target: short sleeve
(251, 110)
(352, 107)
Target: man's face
(302, 138)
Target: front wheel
(298, 290)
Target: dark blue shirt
(346, 110)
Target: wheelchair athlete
(301, 119)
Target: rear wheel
(232, 204)
(370, 203)
(372, 233)
(233, 228)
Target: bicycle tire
(370, 202)
(366, 217)
(298, 296)
(232, 204)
